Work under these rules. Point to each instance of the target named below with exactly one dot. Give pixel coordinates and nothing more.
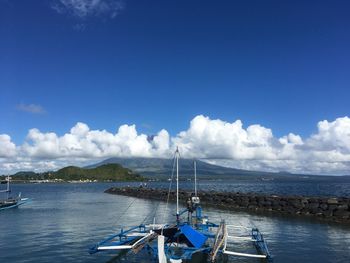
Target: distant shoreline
(69, 181)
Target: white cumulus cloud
(7, 147)
(81, 142)
(331, 136)
(216, 141)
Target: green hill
(106, 172)
(25, 175)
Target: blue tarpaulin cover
(196, 238)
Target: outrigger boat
(186, 236)
(9, 201)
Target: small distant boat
(179, 240)
(9, 201)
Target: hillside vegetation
(105, 172)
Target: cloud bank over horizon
(217, 141)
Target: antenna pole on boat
(8, 186)
(195, 178)
(177, 183)
(8, 183)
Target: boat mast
(177, 182)
(195, 178)
(8, 183)
(8, 186)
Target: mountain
(162, 168)
(138, 169)
(158, 168)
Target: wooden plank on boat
(219, 240)
(139, 245)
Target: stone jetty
(331, 209)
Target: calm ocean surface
(64, 220)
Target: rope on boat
(168, 197)
(154, 212)
(156, 208)
(124, 212)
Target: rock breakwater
(328, 209)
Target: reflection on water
(63, 220)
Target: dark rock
(341, 213)
(343, 207)
(328, 213)
(323, 206)
(330, 209)
(312, 205)
(252, 207)
(332, 201)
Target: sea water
(63, 220)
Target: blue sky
(159, 64)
